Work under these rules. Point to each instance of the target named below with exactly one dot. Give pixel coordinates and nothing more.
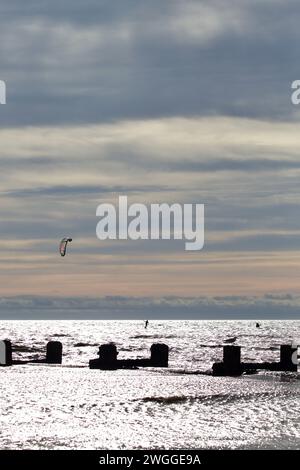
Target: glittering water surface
(70, 406)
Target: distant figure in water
(230, 340)
(257, 325)
(146, 323)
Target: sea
(69, 406)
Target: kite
(63, 246)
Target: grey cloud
(39, 210)
(258, 242)
(13, 164)
(250, 165)
(93, 190)
(210, 164)
(120, 307)
(163, 65)
(101, 61)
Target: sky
(162, 101)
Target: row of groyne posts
(159, 357)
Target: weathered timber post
(54, 352)
(287, 353)
(159, 355)
(5, 353)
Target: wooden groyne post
(54, 352)
(159, 355)
(5, 353)
(232, 365)
(287, 355)
(108, 358)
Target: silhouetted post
(5, 353)
(108, 352)
(54, 352)
(287, 352)
(107, 358)
(159, 355)
(232, 360)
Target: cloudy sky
(163, 101)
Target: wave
(60, 335)
(225, 398)
(165, 400)
(27, 349)
(257, 335)
(153, 336)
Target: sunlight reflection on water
(60, 407)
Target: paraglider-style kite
(63, 246)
